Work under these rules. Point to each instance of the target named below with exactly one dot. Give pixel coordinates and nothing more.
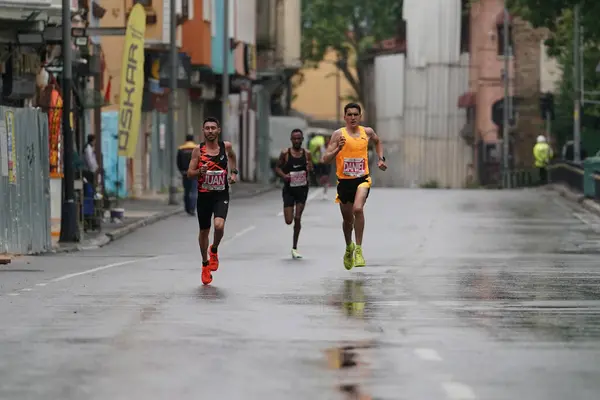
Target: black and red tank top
(215, 179)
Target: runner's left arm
(231, 157)
(375, 138)
(309, 163)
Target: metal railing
(568, 173)
(24, 181)
(520, 178)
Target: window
(465, 26)
(500, 41)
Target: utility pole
(577, 86)
(69, 231)
(225, 83)
(172, 97)
(505, 106)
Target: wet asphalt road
(467, 295)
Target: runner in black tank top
(210, 163)
(293, 166)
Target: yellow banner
(9, 118)
(132, 82)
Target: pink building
(486, 66)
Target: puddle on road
(558, 284)
(549, 305)
(536, 324)
(209, 292)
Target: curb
(118, 233)
(588, 204)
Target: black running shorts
(346, 188)
(292, 196)
(211, 204)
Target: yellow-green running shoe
(359, 260)
(349, 257)
(295, 254)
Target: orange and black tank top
(353, 160)
(215, 179)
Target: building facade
(278, 35)
(148, 170)
(278, 49)
(320, 91)
(416, 83)
(197, 43)
(531, 72)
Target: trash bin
(591, 166)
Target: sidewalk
(569, 194)
(146, 211)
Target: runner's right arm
(335, 146)
(193, 171)
(280, 164)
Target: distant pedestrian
(317, 147)
(90, 163)
(190, 185)
(90, 171)
(542, 153)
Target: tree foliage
(558, 17)
(350, 28)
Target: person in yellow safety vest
(542, 153)
(316, 147)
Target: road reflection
(347, 359)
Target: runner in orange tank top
(349, 148)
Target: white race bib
(214, 180)
(354, 167)
(298, 178)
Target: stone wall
(527, 87)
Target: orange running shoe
(213, 262)
(206, 275)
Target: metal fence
(24, 181)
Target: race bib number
(298, 178)
(354, 167)
(215, 180)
